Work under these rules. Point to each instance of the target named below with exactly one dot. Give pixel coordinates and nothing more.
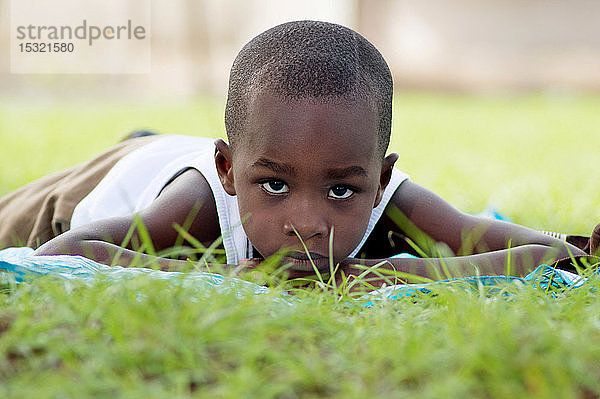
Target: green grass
(41, 138)
(154, 339)
(533, 157)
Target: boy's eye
(275, 187)
(340, 192)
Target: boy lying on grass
(308, 120)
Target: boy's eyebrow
(331, 174)
(274, 166)
(342, 173)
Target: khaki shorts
(42, 209)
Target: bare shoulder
(420, 205)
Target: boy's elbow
(64, 244)
(46, 250)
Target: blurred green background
(530, 156)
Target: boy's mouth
(307, 261)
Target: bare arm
(186, 202)
(516, 262)
(455, 243)
(419, 213)
(95, 243)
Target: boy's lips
(303, 261)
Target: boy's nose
(306, 224)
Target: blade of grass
(316, 270)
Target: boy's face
(307, 169)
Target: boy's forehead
(328, 120)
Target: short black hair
(310, 59)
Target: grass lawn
(532, 157)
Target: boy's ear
(386, 175)
(224, 166)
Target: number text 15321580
(46, 47)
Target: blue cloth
(544, 277)
(20, 264)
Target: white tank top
(139, 177)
